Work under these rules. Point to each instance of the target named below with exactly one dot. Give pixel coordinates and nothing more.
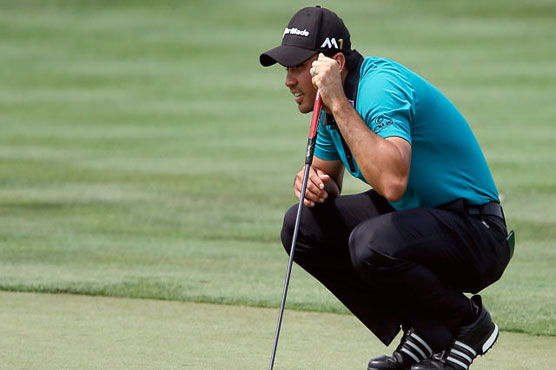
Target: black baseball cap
(310, 31)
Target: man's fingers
(316, 189)
(316, 186)
(307, 202)
(312, 194)
(315, 192)
(316, 180)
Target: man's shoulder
(381, 76)
(381, 66)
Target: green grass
(145, 153)
(64, 332)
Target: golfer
(401, 255)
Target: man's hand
(319, 185)
(327, 78)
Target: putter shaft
(290, 262)
(308, 160)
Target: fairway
(146, 155)
(65, 332)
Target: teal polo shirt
(446, 162)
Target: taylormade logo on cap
(295, 31)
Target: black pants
(397, 269)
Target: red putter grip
(316, 115)
(313, 130)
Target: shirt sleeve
(386, 101)
(325, 148)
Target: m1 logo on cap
(295, 31)
(331, 42)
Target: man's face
(298, 80)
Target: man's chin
(304, 109)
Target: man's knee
(311, 234)
(371, 256)
(288, 228)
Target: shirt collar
(350, 87)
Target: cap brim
(286, 55)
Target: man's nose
(290, 79)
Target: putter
(308, 160)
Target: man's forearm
(380, 161)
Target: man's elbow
(332, 188)
(394, 191)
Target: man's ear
(340, 58)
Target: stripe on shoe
(461, 355)
(490, 341)
(458, 362)
(465, 347)
(416, 348)
(410, 354)
(423, 343)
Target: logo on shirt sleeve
(381, 122)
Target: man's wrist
(339, 107)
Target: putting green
(44, 331)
